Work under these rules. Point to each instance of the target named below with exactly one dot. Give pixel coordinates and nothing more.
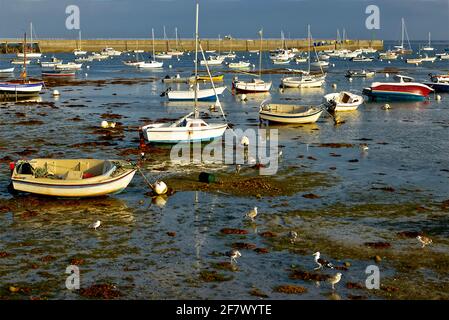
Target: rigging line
(212, 82)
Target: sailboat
(255, 85)
(400, 49)
(188, 128)
(164, 55)
(21, 88)
(153, 63)
(306, 80)
(30, 55)
(78, 51)
(176, 52)
(428, 47)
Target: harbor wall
(57, 45)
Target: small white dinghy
(72, 177)
(289, 113)
(343, 101)
(239, 65)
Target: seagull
(321, 262)
(234, 254)
(424, 240)
(252, 214)
(334, 280)
(238, 168)
(293, 235)
(95, 225)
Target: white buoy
(104, 124)
(87, 67)
(160, 188)
(243, 97)
(170, 66)
(438, 97)
(350, 79)
(334, 85)
(387, 75)
(244, 141)
(386, 107)
(389, 62)
(56, 93)
(333, 64)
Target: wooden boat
(397, 91)
(287, 113)
(359, 74)
(342, 101)
(72, 177)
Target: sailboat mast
(176, 35)
(24, 71)
(260, 53)
(31, 36)
(308, 37)
(152, 35)
(196, 60)
(403, 31)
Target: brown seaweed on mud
(104, 291)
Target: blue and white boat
(20, 89)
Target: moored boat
(287, 113)
(397, 91)
(359, 73)
(343, 101)
(189, 95)
(72, 177)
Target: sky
(240, 18)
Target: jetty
(64, 45)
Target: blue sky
(241, 18)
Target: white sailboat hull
(34, 55)
(189, 95)
(154, 134)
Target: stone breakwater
(60, 45)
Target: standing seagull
(252, 214)
(293, 235)
(95, 225)
(321, 262)
(424, 240)
(334, 280)
(234, 254)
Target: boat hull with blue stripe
(18, 89)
